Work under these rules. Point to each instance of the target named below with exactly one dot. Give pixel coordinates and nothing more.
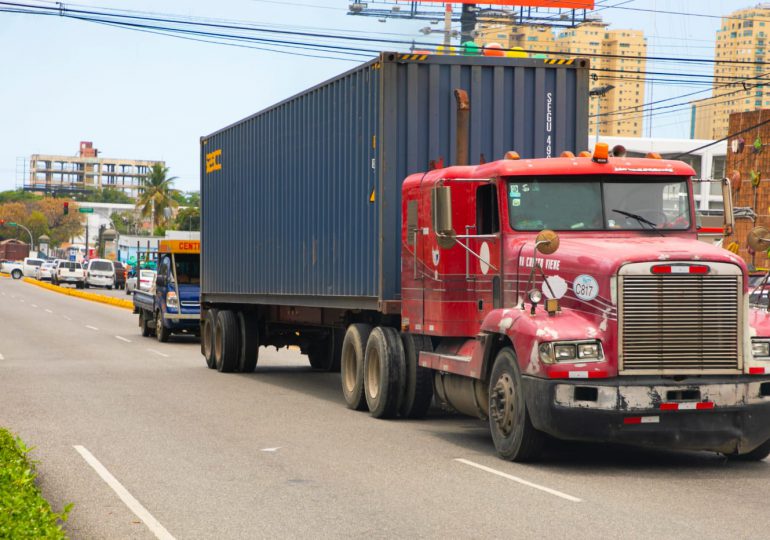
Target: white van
(100, 273)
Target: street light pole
(31, 241)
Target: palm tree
(156, 194)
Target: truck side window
(163, 270)
(487, 215)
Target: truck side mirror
(727, 200)
(442, 217)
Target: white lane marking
(68, 318)
(48, 311)
(158, 353)
(2, 357)
(271, 449)
(121, 338)
(33, 305)
(91, 327)
(135, 506)
(520, 480)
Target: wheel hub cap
(501, 404)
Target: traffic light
(2, 222)
(66, 208)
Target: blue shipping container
(301, 202)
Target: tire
(352, 365)
(249, 353)
(418, 391)
(145, 324)
(86, 285)
(208, 328)
(758, 454)
(161, 332)
(16, 274)
(514, 436)
(227, 341)
(109, 287)
(384, 372)
(325, 355)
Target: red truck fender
(525, 332)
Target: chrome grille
(683, 323)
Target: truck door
(483, 270)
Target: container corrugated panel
(301, 201)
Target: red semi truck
(563, 296)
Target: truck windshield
(597, 203)
(188, 268)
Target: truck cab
(173, 304)
(570, 297)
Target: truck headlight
(571, 351)
(760, 348)
(171, 300)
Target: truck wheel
(144, 322)
(249, 353)
(758, 454)
(16, 274)
(352, 365)
(161, 332)
(227, 341)
(418, 393)
(384, 372)
(325, 355)
(208, 328)
(514, 436)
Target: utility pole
(448, 27)
(599, 92)
(468, 22)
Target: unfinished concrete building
(50, 173)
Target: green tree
(156, 194)
(125, 222)
(106, 195)
(188, 219)
(18, 195)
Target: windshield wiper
(641, 219)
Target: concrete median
(118, 302)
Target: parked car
(44, 271)
(69, 272)
(100, 273)
(12, 267)
(120, 274)
(146, 280)
(29, 266)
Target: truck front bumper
(727, 415)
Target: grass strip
(24, 513)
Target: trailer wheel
(227, 341)
(325, 355)
(207, 337)
(352, 365)
(249, 353)
(418, 392)
(514, 436)
(758, 454)
(384, 369)
(144, 322)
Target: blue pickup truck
(172, 306)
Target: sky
(138, 95)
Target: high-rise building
(86, 170)
(739, 54)
(618, 59)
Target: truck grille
(684, 324)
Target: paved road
(276, 453)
